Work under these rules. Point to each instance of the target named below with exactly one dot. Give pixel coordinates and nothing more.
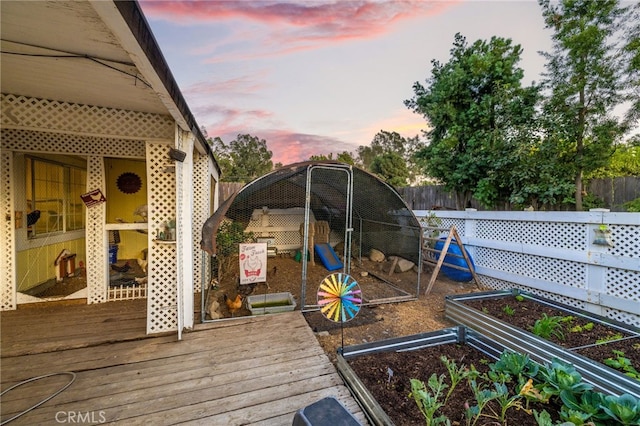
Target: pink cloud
(287, 147)
(238, 86)
(291, 147)
(294, 26)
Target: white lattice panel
(542, 268)
(458, 223)
(201, 189)
(626, 241)
(7, 234)
(283, 225)
(611, 271)
(96, 236)
(498, 284)
(568, 236)
(162, 301)
(32, 141)
(621, 316)
(34, 113)
(622, 283)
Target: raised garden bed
(383, 376)
(508, 318)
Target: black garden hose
(33, 379)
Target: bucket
(113, 254)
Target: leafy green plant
(519, 298)
(581, 328)
(457, 374)
(508, 310)
(515, 364)
(483, 397)
(548, 326)
(633, 206)
(609, 338)
(543, 418)
(622, 363)
(507, 401)
(624, 408)
(574, 417)
(430, 401)
(589, 403)
(228, 239)
(561, 377)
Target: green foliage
(633, 206)
(625, 161)
(584, 83)
(580, 404)
(508, 310)
(581, 328)
(228, 239)
(391, 168)
(589, 403)
(548, 326)
(590, 201)
(561, 377)
(429, 401)
(624, 408)
(515, 364)
(609, 338)
(244, 159)
(478, 112)
(343, 157)
(622, 363)
(456, 374)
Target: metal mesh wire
(273, 209)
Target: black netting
(385, 236)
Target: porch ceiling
(62, 50)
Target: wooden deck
(247, 371)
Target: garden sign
(253, 263)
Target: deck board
(258, 370)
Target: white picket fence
(553, 254)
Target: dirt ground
(373, 322)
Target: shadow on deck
(251, 370)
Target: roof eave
(126, 19)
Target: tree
(583, 83)
(391, 168)
(244, 159)
(475, 106)
(221, 154)
(385, 142)
(344, 157)
(631, 51)
(625, 161)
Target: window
(53, 190)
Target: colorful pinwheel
(339, 297)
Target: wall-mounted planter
(602, 377)
(374, 412)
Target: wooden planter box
(602, 377)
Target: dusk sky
(320, 77)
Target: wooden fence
(613, 191)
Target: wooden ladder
(426, 248)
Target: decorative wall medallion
(129, 183)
